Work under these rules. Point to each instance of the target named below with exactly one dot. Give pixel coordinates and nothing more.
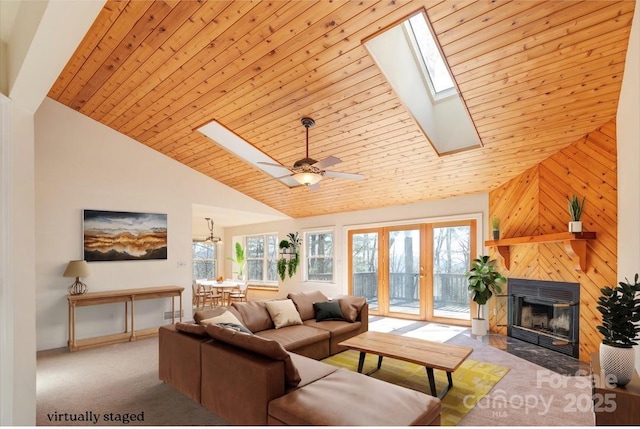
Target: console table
(114, 296)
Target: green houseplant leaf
(575, 207)
(620, 311)
(240, 258)
(289, 255)
(484, 280)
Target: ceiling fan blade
(341, 175)
(270, 164)
(327, 162)
(271, 179)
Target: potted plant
(575, 211)
(620, 311)
(495, 227)
(239, 260)
(484, 280)
(289, 255)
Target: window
(204, 260)
(319, 256)
(262, 258)
(436, 70)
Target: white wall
(477, 205)
(81, 164)
(628, 130)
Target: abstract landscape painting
(124, 236)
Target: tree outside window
(262, 258)
(319, 256)
(204, 260)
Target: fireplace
(545, 313)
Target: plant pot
(618, 362)
(496, 234)
(478, 327)
(575, 226)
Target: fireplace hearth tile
(546, 358)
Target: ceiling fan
(211, 238)
(307, 171)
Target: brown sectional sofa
(252, 380)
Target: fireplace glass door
(545, 313)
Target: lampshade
(307, 178)
(77, 269)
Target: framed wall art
(123, 236)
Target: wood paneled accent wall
(536, 203)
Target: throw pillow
(351, 306)
(283, 313)
(262, 346)
(226, 317)
(235, 327)
(329, 310)
(254, 315)
(304, 302)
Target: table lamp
(77, 269)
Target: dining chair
(199, 294)
(239, 294)
(213, 296)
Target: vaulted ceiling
(535, 76)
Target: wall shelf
(574, 243)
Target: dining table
(224, 287)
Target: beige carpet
(111, 383)
(122, 379)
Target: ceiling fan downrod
(307, 123)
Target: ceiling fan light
(307, 178)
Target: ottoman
(346, 398)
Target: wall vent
(177, 315)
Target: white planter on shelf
(575, 226)
(618, 362)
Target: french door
(413, 271)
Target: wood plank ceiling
(535, 76)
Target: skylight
(409, 58)
(430, 54)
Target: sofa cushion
(329, 310)
(191, 328)
(346, 398)
(262, 346)
(226, 317)
(334, 327)
(294, 337)
(283, 313)
(200, 315)
(304, 302)
(254, 315)
(310, 369)
(351, 306)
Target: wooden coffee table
(432, 355)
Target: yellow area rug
(471, 381)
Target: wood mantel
(575, 245)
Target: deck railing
(448, 289)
